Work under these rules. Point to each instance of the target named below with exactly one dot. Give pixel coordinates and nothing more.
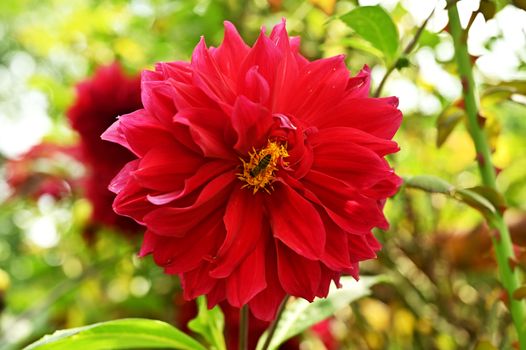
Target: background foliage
(442, 289)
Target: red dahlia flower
(108, 94)
(258, 173)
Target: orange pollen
(259, 171)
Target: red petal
(298, 276)
(283, 92)
(197, 282)
(336, 255)
(231, 52)
(121, 179)
(251, 121)
(178, 221)
(190, 96)
(209, 77)
(114, 134)
(165, 169)
(148, 244)
(179, 71)
(296, 222)
(319, 86)
(244, 226)
(347, 208)
(255, 87)
(339, 157)
(360, 249)
(204, 175)
(385, 188)
(359, 85)
(280, 37)
(217, 294)
(210, 130)
(131, 201)
(157, 99)
(248, 279)
(143, 132)
(343, 136)
(180, 255)
(265, 304)
(266, 56)
(377, 116)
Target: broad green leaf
(375, 25)
(127, 333)
(299, 315)
(429, 183)
(209, 324)
(362, 45)
(447, 121)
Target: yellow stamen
(258, 172)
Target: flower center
(258, 172)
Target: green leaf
(501, 4)
(503, 91)
(495, 198)
(429, 183)
(428, 38)
(375, 25)
(476, 201)
(447, 121)
(209, 324)
(363, 45)
(299, 315)
(127, 333)
(471, 197)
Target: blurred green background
(443, 291)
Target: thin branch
(274, 324)
(243, 328)
(406, 51)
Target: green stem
(243, 328)
(274, 324)
(501, 240)
(406, 52)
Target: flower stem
(406, 52)
(243, 328)
(274, 324)
(501, 240)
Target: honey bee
(263, 163)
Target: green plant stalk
(501, 240)
(274, 324)
(243, 328)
